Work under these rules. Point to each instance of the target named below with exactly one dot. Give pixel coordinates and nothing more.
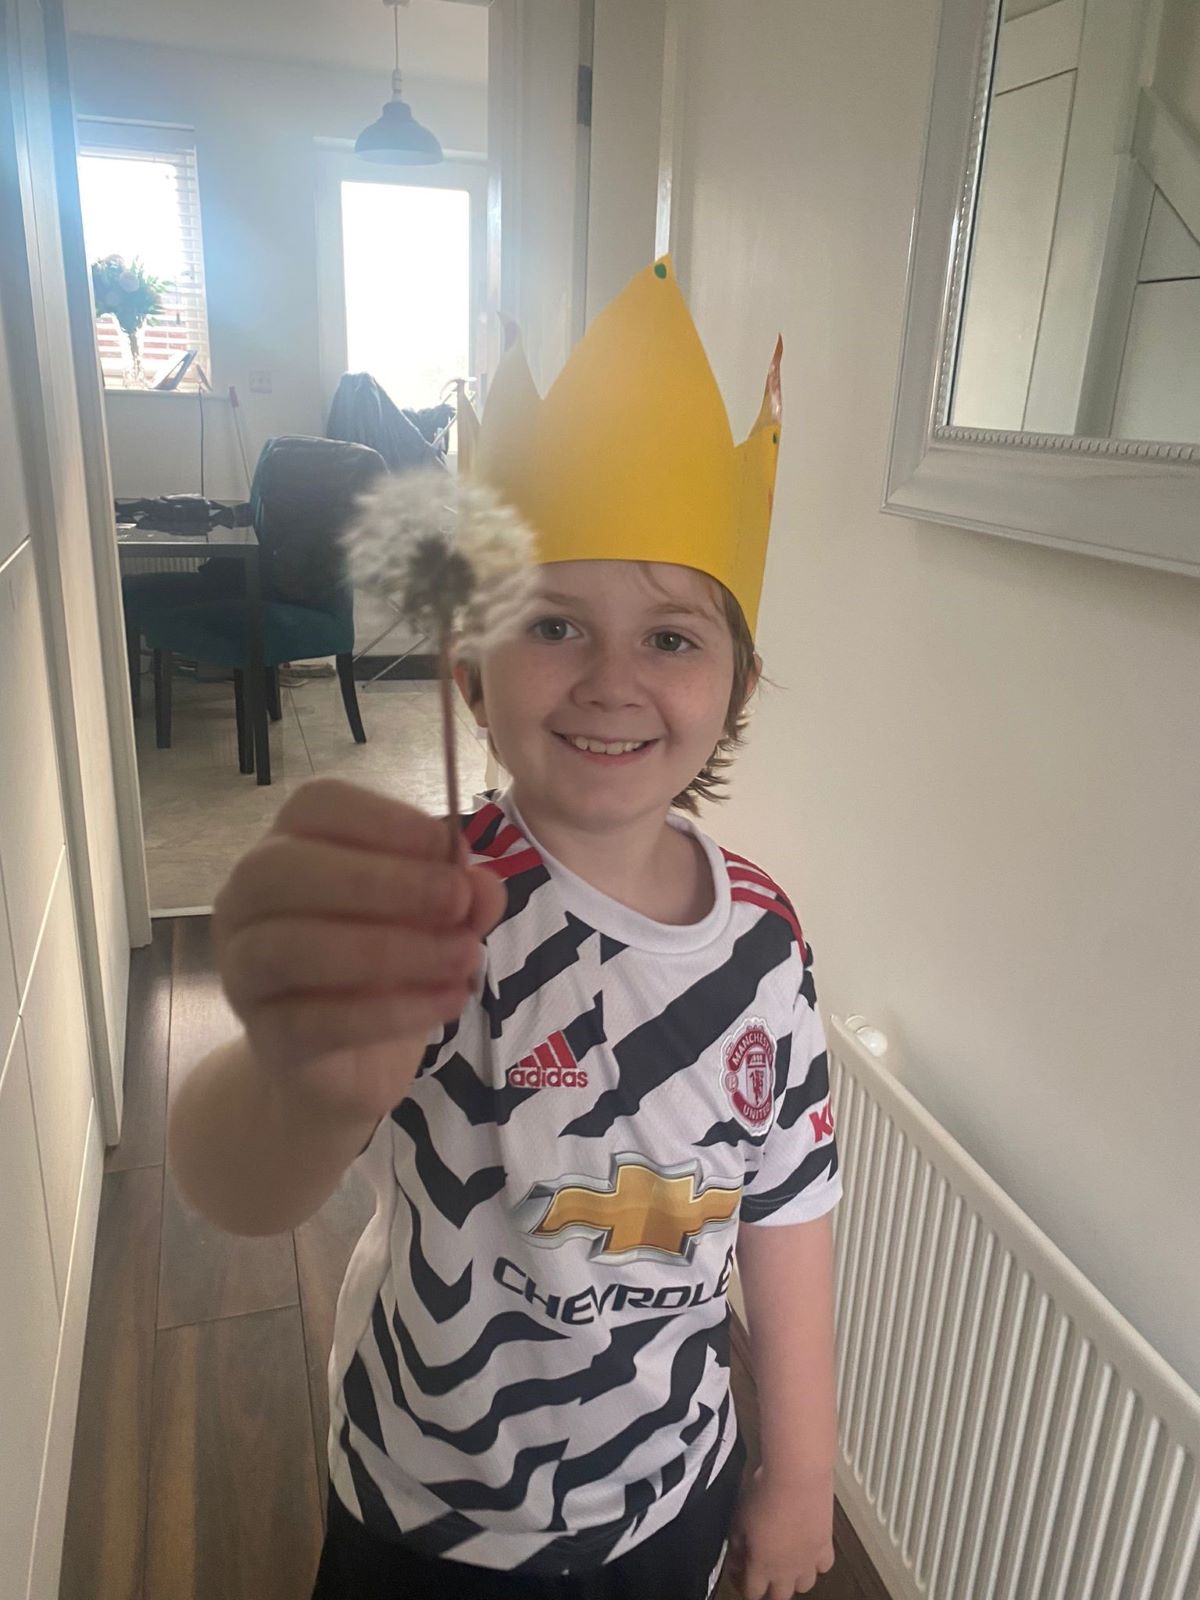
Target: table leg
(255, 686)
(164, 672)
(245, 748)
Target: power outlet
(260, 381)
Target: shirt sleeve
(798, 1177)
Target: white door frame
(93, 427)
(538, 173)
(34, 232)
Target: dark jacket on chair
(363, 411)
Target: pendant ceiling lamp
(396, 136)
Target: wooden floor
(199, 1469)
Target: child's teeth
(600, 749)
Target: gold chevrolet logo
(643, 1209)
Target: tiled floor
(200, 813)
(199, 1464)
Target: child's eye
(554, 629)
(671, 643)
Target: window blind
(141, 198)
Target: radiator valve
(872, 1040)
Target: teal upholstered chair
(217, 578)
(303, 494)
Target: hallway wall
(978, 773)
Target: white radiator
(1005, 1434)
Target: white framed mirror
(1049, 384)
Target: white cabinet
(8, 982)
(31, 829)
(29, 1322)
(56, 1036)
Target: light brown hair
(710, 782)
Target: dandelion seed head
(449, 553)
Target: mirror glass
(1081, 290)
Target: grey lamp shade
(396, 136)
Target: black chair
(303, 495)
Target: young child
(584, 1066)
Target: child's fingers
(327, 808)
(285, 875)
(300, 1030)
(735, 1557)
(753, 1583)
(301, 955)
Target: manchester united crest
(748, 1073)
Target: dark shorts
(676, 1563)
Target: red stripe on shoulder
(506, 837)
(510, 866)
(478, 825)
(752, 875)
(739, 864)
(732, 855)
(781, 908)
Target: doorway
(223, 176)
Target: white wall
(59, 489)
(256, 125)
(979, 774)
(535, 51)
(626, 109)
(534, 200)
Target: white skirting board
(46, 1562)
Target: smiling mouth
(604, 747)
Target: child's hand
(781, 1538)
(343, 937)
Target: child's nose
(609, 680)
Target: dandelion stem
(449, 744)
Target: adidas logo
(550, 1066)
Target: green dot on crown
(660, 269)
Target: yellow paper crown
(630, 456)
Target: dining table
(233, 543)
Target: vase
(132, 374)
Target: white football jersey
(530, 1367)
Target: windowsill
(165, 394)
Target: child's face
(615, 654)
